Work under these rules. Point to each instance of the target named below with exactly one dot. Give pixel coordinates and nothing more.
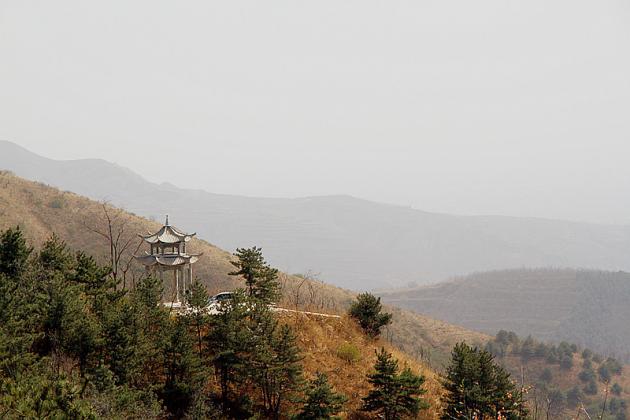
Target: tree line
(74, 344)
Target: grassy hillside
(42, 210)
(589, 308)
(561, 379)
(353, 243)
(321, 340)
(426, 342)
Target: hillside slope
(589, 308)
(320, 340)
(353, 243)
(42, 210)
(426, 342)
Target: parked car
(216, 302)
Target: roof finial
(166, 220)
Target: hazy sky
(470, 107)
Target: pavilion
(168, 254)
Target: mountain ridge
(352, 242)
(42, 210)
(586, 307)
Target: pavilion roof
(168, 235)
(167, 260)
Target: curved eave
(167, 235)
(167, 260)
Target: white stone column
(177, 284)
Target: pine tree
(14, 253)
(197, 301)
(393, 394)
(322, 402)
(367, 310)
(228, 343)
(184, 373)
(261, 280)
(476, 387)
(273, 360)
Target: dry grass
(41, 210)
(28, 204)
(319, 339)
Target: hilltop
(382, 245)
(585, 307)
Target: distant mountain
(41, 211)
(589, 308)
(352, 243)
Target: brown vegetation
(26, 203)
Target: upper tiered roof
(168, 235)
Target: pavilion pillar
(177, 285)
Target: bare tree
(601, 416)
(295, 296)
(112, 228)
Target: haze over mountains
(352, 243)
(589, 308)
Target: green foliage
(14, 253)
(477, 387)
(183, 370)
(566, 362)
(261, 280)
(393, 394)
(613, 365)
(228, 344)
(591, 387)
(348, 352)
(74, 344)
(321, 402)
(616, 389)
(586, 375)
(563, 354)
(56, 203)
(556, 401)
(546, 375)
(574, 397)
(197, 301)
(275, 364)
(367, 310)
(604, 373)
(63, 330)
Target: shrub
(613, 366)
(321, 402)
(616, 389)
(587, 375)
(604, 373)
(566, 362)
(367, 310)
(546, 375)
(394, 395)
(591, 388)
(477, 387)
(348, 352)
(574, 397)
(56, 203)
